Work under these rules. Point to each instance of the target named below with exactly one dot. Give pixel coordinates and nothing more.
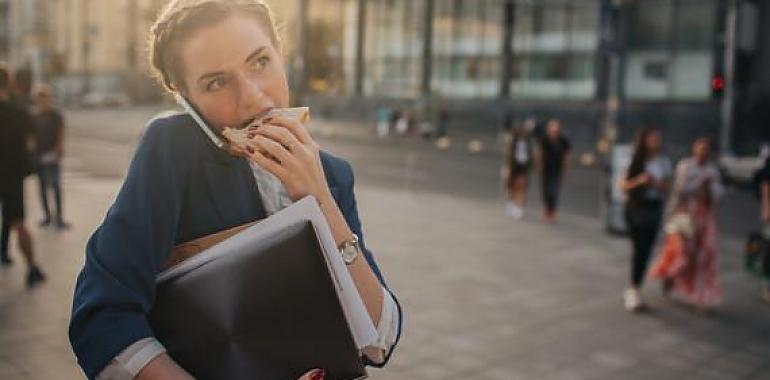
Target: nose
(251, 97)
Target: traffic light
(717, 86)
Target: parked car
(740, 170)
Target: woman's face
(701, 150)
(653, 141)
(233, 72)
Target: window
(393, 48)
(554, 45)
(467, 46)
(325, 55)
(670, 53)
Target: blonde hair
(180, 18)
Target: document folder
(269, 302)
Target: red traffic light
(718, 83)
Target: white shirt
(659, 169)
(135, 357)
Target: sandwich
(239, 137)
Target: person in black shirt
(554, 157)
(15, 164)
(49, 133)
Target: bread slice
(239, 136)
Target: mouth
(256, 118)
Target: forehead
(223, 44)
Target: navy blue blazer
(179, 187)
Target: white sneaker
(632, 300)
(513, 211)
(518, 213)
(509, 209)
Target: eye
(216, 84)
(260, 62)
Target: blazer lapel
(234, 191)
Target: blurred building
(592, 63)
(23, 33)
(5, 30)
(89, 49)
(101, 46)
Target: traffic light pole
(728, 103)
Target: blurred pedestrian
(16, 134)
(19, 96)
(688, 260)
(761, 263)
(517, 165)
(554, 161)
(383, 121)
(762, 180)
(646, 184)
(403, 123)
(442, 121)
(49, 133)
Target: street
(484, 297)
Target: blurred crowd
(31, 143)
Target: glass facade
(555, 49)
(670, 49)
(467, 47)
(326, 49)
(394, 33)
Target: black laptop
(267, 311)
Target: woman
(688, 261)
(224, 57)
(518, 161)
(646, 183)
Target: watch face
(349, 254)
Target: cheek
(278, 89)
(218, 110)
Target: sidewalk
(485, 298)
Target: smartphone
(199, 120)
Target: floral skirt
(690, 262)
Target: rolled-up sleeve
(116, 287)
(391, 319)
(387, 331)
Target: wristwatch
(349, 250)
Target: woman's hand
(638, 181)
(284, 148)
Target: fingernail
(317, 374)
(267, 119)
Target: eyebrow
(251, 56)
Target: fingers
(271, 147)
(279, 134)
(268, 163)
(294, 127)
